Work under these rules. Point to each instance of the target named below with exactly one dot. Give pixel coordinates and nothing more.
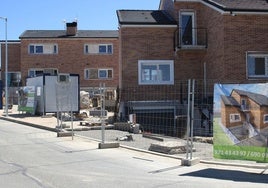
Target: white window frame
(87, 51)
(265, 118)
(107, 73)
(44, 46)
(88, 77)
(158, 80)
(194, 37)
(44, 71)
(233, 118)
(257, 55)
(106, 46)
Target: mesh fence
(155, 118)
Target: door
(187, 25)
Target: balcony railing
(195, 38)
(245, 107)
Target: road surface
(31, 157)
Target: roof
(240, 5)
(229, 101)
(62, 34)
(262, 100)
(145, 17)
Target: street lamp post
(6, 69)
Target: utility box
(60, 93)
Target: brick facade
(143, 44)
(229, 37)
(72, 59)
(13, 57)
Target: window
(156, 72)
(244, 105)
(43, 49)
(98, 74)
(98, 48)
(39, 72)
(265, 118)
(235, 118)
(105, 73)
(257, 65)
(187, 25)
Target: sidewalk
(49, 122)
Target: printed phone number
(240, 153)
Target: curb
(29, 124)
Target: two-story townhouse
(216, 41)
(236, 35)
(93, 54)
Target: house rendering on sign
(244, 117)
(244, 107)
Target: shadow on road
(232, 175)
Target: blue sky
(50, 14)
(226, 89)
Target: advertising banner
(27, 99)
(240, 124)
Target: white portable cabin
(60, 93)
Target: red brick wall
(13, 56)
(143, 44)
(243, 33)
(229, 38)
(71, 59)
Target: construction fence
(164, 119)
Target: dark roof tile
(244, 5)
(62, 34)
(229, 101)
(145, 17)
(262, 100)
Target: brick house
(216, 41)
(93, 54)
(228, 37)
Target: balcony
(245, 108)
(194, 38)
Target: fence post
(104, 145)
(102, 98)
(190, 121)
(188, 118)
(192, 117)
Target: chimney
(71, 28)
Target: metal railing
(195, 38)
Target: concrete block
(108, 145)
(190, 162)
(64, 134)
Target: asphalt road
(31, 157)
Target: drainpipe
(205, 79)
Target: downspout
(205, 80)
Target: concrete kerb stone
(190, 162)
(108, 145)
(29, 124)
